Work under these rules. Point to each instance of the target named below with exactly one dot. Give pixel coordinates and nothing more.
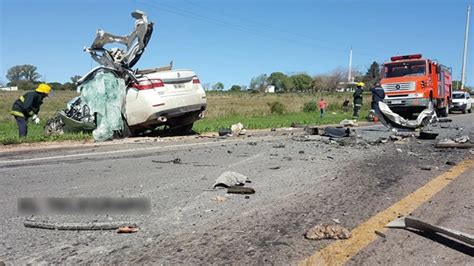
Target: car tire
(464, 110)
(469, 110)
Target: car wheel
(469, 110)
(464, 111)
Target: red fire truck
(410, 82)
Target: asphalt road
(300, 181)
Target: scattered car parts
(406, 222)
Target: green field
(224, 109)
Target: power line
(279, 31)
(252, 31)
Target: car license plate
(396, 102)
(178, 86)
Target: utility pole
(349, 78)
(463, 72)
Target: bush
(310, 107)
(277, 108)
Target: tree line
(332, 81)
(26, 77)
(302, 82)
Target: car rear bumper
(175, 112)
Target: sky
(232, 41)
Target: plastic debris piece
(405, 222)
(348, 123)
(229, 178)
(237, 129)
(462, 139)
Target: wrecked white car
(118, 101)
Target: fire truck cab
(411, 82)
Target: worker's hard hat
(360, 84)
(43, 88)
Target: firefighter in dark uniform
(28, 106)
(378, 95)
(358, 98)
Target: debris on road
(348, 123)
(334, 132)
(275, 168)
(444, 120)
(279, 146)
(405, 134)
(395, 138)
(229, 179)
(237, 129)
(127, 230)
(312, 130)
(225, 132)
(462, 139)
(380, 234)
(174, 161)
(405, 223)
(309, 138)
(426, 134)
(449, 143)
(240, 190)
(77, 226)
(451, 163)
(427, 168)
(426, 117)
(327, 231)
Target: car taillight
(148, 84)
(196, 80)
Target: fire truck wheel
(444, 111)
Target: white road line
(129, 150)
